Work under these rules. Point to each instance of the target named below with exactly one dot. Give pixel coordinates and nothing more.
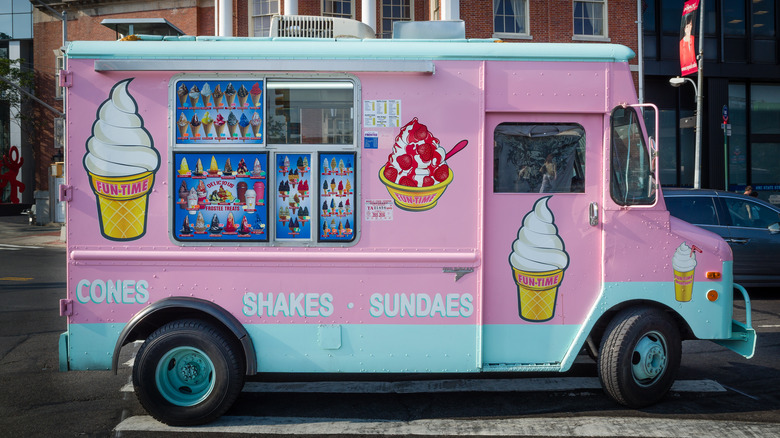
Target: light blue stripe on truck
(302, 49)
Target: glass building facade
(741, 74)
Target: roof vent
(430, 30)
(304, 26)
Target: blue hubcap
(185, 376)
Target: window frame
(532, 173)
(649, 156)
(604, 19)
(387, 34)
(515, 35)
(252, 17)
(324, 13)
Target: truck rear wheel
(188, 372)
(639, 356)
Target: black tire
(188, 372)
(639, 356)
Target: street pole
(699, 100)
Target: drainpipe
(290, 7)
(223, 17)
(640, 52)
(368, 15)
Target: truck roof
(210, 47)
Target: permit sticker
(371, 140)
(379, 210)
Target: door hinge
(66, 78)
(66, 193)
(66, 307)
(459, 272)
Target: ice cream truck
(250, 206)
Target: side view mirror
(774, 228)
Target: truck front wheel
(188, 372)
(639, 356)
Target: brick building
(526, 21)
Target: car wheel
(188, 372)
(639, 356)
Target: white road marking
(566, 426)
(552, 384)
(7, 247)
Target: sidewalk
(15, 230)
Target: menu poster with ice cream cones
(336, 196)
(121, 162)
(220, 197)
(229, 111)
(538, 261)
(294, 191)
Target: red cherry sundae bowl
(416, 173)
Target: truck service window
(539, 158)
(310, 112)
(632, 180)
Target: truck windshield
(632, 180)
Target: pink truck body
(392, 281)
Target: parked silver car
(749, 225)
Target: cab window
(632, 181)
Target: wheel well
(597, 332)
(164, 311)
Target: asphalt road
(741, 397)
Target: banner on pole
(688, 64)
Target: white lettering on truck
(308, 305)
(109, 291)
(421, 305)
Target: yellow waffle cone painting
(538, 260)
(121, 162)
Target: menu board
(336, 196)
(293, 197)
(221, 197)
(229, 111)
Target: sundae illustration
(200, 224)
(216, 227)
(684, 265)
(416, 173)
(184, 169)
(121, 162)
(538, 261)
(183, 192)
(186, 230)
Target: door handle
(740, 241)
(593, 214)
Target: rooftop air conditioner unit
(304, 26)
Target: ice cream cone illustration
(121, 162)
(684, 265)
(538, 261)
(207, 123)
(217, 95)
(255, 93)
(183, 93)
(182, 124)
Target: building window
(590, 18)
(510, 17)
(338, 8)
(392, 11)
(260, 14)
(16, 20)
